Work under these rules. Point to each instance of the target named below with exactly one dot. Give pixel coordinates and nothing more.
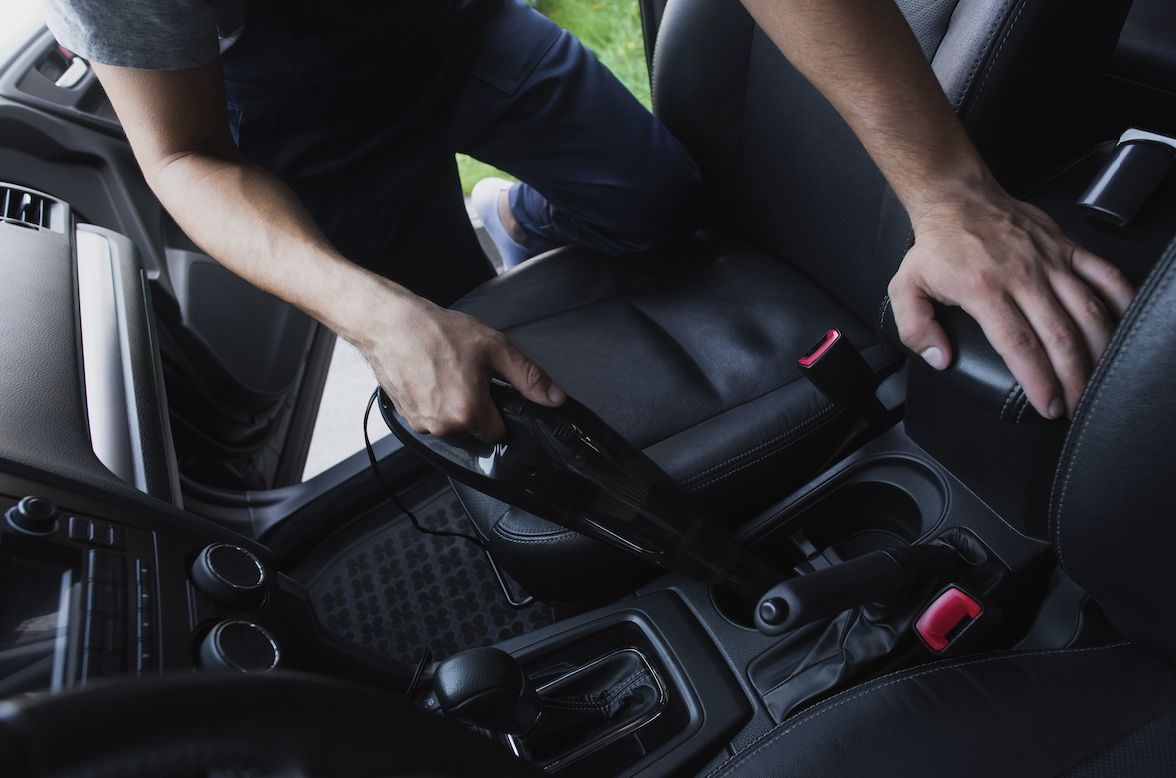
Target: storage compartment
(880, 503)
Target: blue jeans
(376, 169)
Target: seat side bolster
(1010, 714)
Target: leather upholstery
(692, 360)
(699, 355)
(1016, 714)
(691, 357)
(1095, 711)
(550, 561)
(1112, 507)
(1029, 100)
(978, 373)
(1147, 47)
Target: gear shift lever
(486, 687)
(579, 712)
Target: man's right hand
(436, 365)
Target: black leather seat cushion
(692, 359)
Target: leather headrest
(1113, 510)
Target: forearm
(254, 225)
(1047, 306)
(863, 57)
(242, 215)
(436, 364)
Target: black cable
(426, 660)
(392, 495)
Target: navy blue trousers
(376, 168)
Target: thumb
(529, 379)
(917, 328)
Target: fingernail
(934, 357)
(1056, 408)
(555, 394)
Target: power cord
(529, 600)
(392, 495)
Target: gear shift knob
(486, 687)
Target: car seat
(692, 357)
(1062, 702)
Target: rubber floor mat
(397, 591)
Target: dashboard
(101, 573)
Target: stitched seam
(522, 539)
(636, 679)
(1025, 405)
(979, 59)
(1004, 409)
(1072, 164)
(618, 295)
(692, 481)
(882, 311)
(824, 411)
(1102, 382)
(992, 62)
(772, 453)
(773, 735)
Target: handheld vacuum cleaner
(567, 466)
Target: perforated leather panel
(1148, 752)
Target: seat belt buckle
(841, 373)
(955, 620)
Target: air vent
(26, 208)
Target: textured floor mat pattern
(398, 591)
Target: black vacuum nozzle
(567, 466)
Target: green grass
(611, 29)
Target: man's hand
(1047, 305)
(436, 365)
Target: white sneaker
(485, 201)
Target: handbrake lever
(874, 577)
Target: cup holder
(884, 503)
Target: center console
(103, 576)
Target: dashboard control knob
(33, 516)
(239, 645)
(230, 576)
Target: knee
(661, 206)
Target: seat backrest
(1146, 52)
(1113, 508)
(786, 173)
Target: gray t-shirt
(147, 34)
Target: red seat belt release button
(955, 620)
(841, 373)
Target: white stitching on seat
(980, 54)
(1153, 294)
(1068, 167)
(1024, 406)
(995, 57)
(773, 452)
(772, 735)
(1005, 408)
(553, 537)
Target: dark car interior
(918, 574)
